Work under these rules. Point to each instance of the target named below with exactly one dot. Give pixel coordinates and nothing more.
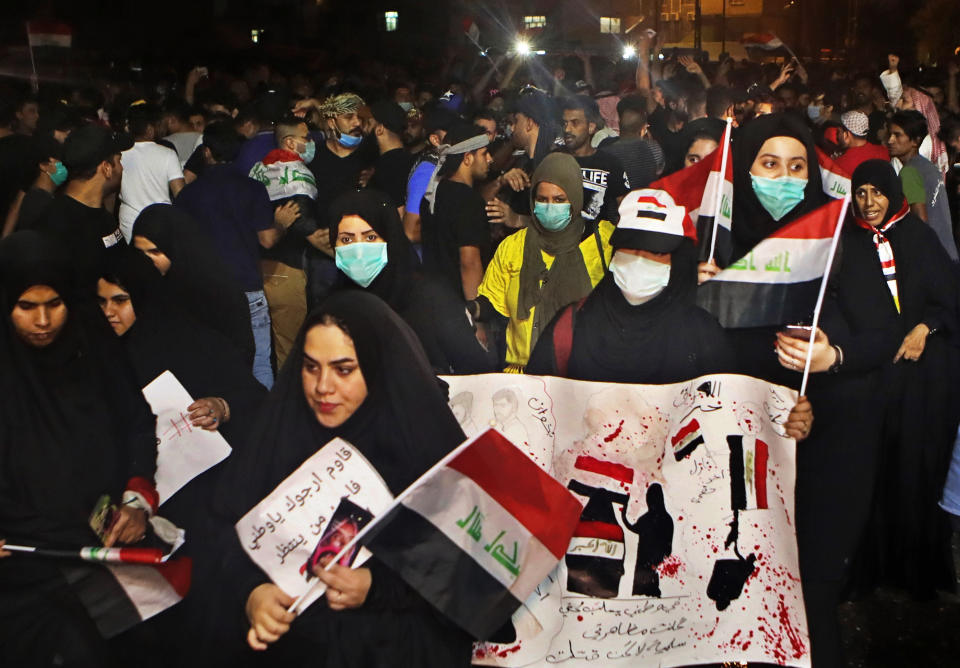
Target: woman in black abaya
(430, 307)
(887, 417)
(194, 275)
(400, 421)
(73, 426)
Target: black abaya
(403, 427)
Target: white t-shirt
(185, 142)
(148, 169)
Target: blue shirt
(231, 208)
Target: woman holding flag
(357, 372)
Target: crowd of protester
(306, 250)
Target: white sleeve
(174, 170)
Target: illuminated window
(610, 24)
(534, 22)
(390, 20)
(255, 36)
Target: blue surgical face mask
(553, 217)
(59, 175)
(349, 141)
(778, 196)
(406, 106)
(309, 151)
(813, 112)
(362, 261)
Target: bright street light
(522, 47)
(629, 52)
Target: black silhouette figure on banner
(655, 531)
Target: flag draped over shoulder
(778, 280)
(476, 536)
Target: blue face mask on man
(309, 151)
(348, 140)
(553, 217)
(778, 196)
(362, 261)
(59, 176)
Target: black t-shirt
(604, 180)
(392, 170)
(34, 207)
(16, 172)
(459, 219)
(336, 175)
(90, 236)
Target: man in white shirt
(178, 130)
(152, 173)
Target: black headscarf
(73, 424)
(198, 279)
(393, 284)
(403, 427)
(164, 338)
(751, 222)
(881, 175)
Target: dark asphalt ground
(888, 629)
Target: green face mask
(362, 261)
(553, 217)
(778, 196)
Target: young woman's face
(333, 384)
(353, 229)
(699, 150)
(116, 306)
(157, 256)
(38, 316)
(781, 156)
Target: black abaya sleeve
(543, 359)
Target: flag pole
(34, 79)
(823, 292)
(295, 608)
(719, 198)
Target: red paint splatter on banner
(670, 567)
(504, 653)
(614, 434)
(579, 618)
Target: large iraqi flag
(478, 533)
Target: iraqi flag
(761, 40)
(697, 189)
(49, 33)
(119, 596)
(471, 30)
(777, 282)
(748, 472)
(477, 534)
(686, 440)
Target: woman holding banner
(357, 372)
(891, 323)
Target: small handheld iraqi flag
(477, 533)
(778, 280)
(765, 40)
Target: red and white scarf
(885, 251)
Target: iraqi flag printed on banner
(777, 282)
(49, 33)
(761, 40)
(748, 472)
(119, 596)
(475, 537)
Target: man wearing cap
(77, 217)
(394, 164)
(852, 138)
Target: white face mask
(638, 278)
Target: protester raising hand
(267, 613)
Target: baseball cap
(650, 220)
(390, 115)
(856, 123)
(92, 144)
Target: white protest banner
(183, 451)
(280, 533)
(686, 551)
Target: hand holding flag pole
(823, 290)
